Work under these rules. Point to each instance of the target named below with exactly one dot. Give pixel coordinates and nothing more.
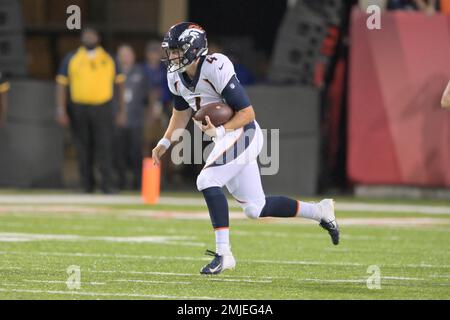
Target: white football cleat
(328, 220)
(219, 264)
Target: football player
(196, 78)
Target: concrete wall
(31, 144)
(294, 110)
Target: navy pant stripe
(238, 147)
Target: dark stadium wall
(293, 110)
(251, 18)
(32, 146)
(245, 29)
(31, 143)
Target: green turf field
(132, 251)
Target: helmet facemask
(185, 50)
(175, 59)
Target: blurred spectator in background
(426, 6)
(244, 75)
(128, 144)
(363, 4)
(90, 73)
(4, 87)
(161, 105)
(401, 5)
(157, 75)
(160, 95)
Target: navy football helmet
(186, 41)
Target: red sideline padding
(398, 133)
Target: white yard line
(221, 278)
(174, 274)
(46, 208)
(156, 273)
(394, 222)
(333, 280)
(403, 278)
(400, 208)
(105, 294)
(240, 280)
(68, 199)
(440, 276)
(166, 240)
(204, 215)
(279, 262)
(317, 235)
(151, 281)
(59, 281)
(361, 280)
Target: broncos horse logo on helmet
(191, 35)
(189, 42)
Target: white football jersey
(214, 74)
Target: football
(218, 112)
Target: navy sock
(217, 207)
(278, 206)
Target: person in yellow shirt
(4, 87)
(87, 78)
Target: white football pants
(233, 163)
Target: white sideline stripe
(152, 281)
(402, 278)
(269, 281)
(104, 283)
(59, 281)
(204, 215)
(364, 280)
(309, 235)
(105, 294)
(230, 278)
(399, 208)
(239, 280)
(146, 272)
(125, 256)
(224, 278)
(288, 262)
(67, 199)
(307, 263)
(181, 282)
(334, 280)
(197, 275)
(181, 215)
(153, 273)
(60, 209)
(26, 237)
